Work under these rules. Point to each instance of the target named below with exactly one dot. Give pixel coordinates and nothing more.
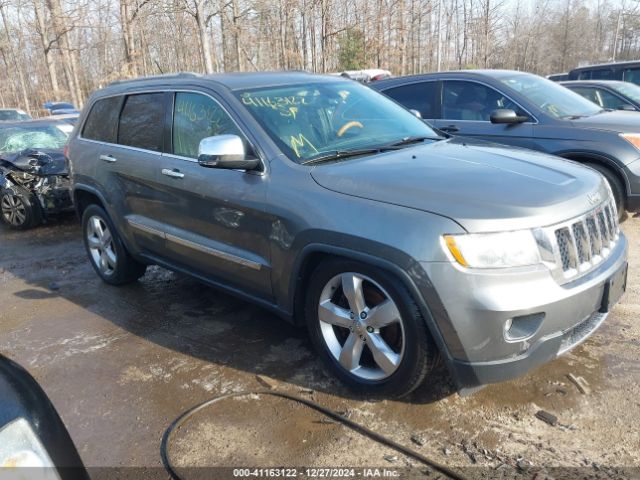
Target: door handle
(450, 129)
(108, 158)
(172, 173)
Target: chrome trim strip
(146, 228)
(196, 246)
(212, 251)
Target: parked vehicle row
(525, 110)
(335, 207)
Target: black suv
(529, 111)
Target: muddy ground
(121, 363)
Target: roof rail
(167, 76)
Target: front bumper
(479, 305)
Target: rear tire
(377, 351)
(617, 188)
(107, 254)
(19, 208)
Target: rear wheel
(19, 208)
(109, 257)
(367, 329)
(617, 188)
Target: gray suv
(332, 206)
(525, 110)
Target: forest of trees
(64, 49)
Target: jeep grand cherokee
(333, 206)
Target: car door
(128, 168)
(420, 96)
(212, 218)
(466, 108)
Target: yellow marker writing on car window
(299, 142)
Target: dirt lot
(121, 363)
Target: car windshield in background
(554, 99)
(629, 90)
(16, 138)
(13, 115)
(314, 120)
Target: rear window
(102, 121)
(142, 121)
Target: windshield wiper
(339, 154)
(410, 140)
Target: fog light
(523, 327)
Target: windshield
(11, 115)
(548, 96)
(630, 90)
(17, 138)
(312, 120)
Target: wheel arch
(600, 159)
(84, 195)
(313, 254)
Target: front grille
(576, 246)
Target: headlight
(494, 250)
(632, 138)
(20, 447)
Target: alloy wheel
(361, 326)
(101, 247)
(14, 211)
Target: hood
(619, 121)
(482, 186)
(41, 162)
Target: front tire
(19, 209)
(368, 329)
(617, 188)
(107, 254)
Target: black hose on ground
(164, 446)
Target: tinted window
(584, 75)
(471, 101)
(588, 93)
(196, 117)
(632, 75)
(102, 121)
(142, 121)
(603, 74)
(417, 96)
(609, 100)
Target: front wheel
(617, 188)
(368, 329)
(109, 257)
(20, 209)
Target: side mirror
(627, 108)
(506, 116)
(225, 151)
(416, 112)
(31, 431)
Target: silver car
(336, 208)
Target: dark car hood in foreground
(482, 186)
(37, 161)
(619, 121)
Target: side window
(602, 74)
(588, 93)
(417, 96)
(471, 101)
(102, 121)
(142, 121)
(584, 75)
(196, 116)
(609, 100)
(632, 75)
